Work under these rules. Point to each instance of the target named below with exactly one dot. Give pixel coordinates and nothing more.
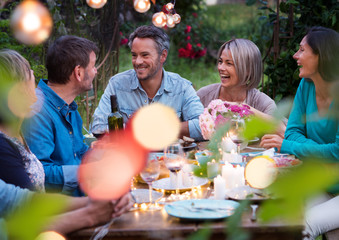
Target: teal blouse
(308, 134)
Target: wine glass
(236, 132)
(149, 174)
(174, 158)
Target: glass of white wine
(149, 174)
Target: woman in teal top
(311, 131)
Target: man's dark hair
(325, 43)
(158, 35)
(65, 54)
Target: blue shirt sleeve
(191, 109)
(297, 140)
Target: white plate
(165, 184)
(246, 192)
(142, 195)
(184, 209)
(190, 147)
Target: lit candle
(219, 188)
(232, 157)
(227, 144)
(212, 169)
(227, 174)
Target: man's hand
(122, 205)
(271, 141)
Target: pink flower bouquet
(218, 113)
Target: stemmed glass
(236, 132)
(174, 158)
(149, 174)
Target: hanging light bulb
(96, 3)
(176, 18)
(142, 5)
(159, 19)
(170, 21)
(169, 7)
(31, 22)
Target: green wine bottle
(115, 119)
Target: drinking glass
(236, 132)
(149, 174)
(174, 158)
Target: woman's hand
(271, 141)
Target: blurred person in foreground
(20, 170)
(148, 82)
(312, 130)
(54, 132)
(240, 70)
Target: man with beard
(148, 82)
(54, 132)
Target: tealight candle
(219, 188)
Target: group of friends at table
(42, 145)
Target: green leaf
(250, 2)
(202, 234)
(308, 180)
(257, 127)
(30, 220)
(234, 232)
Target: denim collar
(55, 100)
(166, 84)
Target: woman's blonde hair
(247, 61)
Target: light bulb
(96, 3)
(169, 7)
(159, 19)
(142, 5)
(176, 18)
(31, 22)
(170, 21)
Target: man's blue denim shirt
(54, 135)
(174, 91)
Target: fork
(100, 232)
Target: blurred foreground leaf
(201, 234)
(234, 230)
(257, 127)
(294, 187)
(31, 219)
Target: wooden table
(141, 224)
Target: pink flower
(201, 53)
(188, 38)
(189, 46)
(199, 45)
(184, 53)
(188, 29)
(195, 15)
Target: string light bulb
(176, 18)
(159, 19)
(170, 21)
(96, 3)
(169, 7)
(31, 22)
(142, 6)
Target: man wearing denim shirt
(54, 133)
(148, 82)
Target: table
(159, 225)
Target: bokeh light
(20, 99)
(50, 235)
(176, 18)
(106, 171)
(159, 19)
(169, 7)
(170, 21)
(96, 3)
(260, 172)
(155, 126)
(142, 6)
(31, 22)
